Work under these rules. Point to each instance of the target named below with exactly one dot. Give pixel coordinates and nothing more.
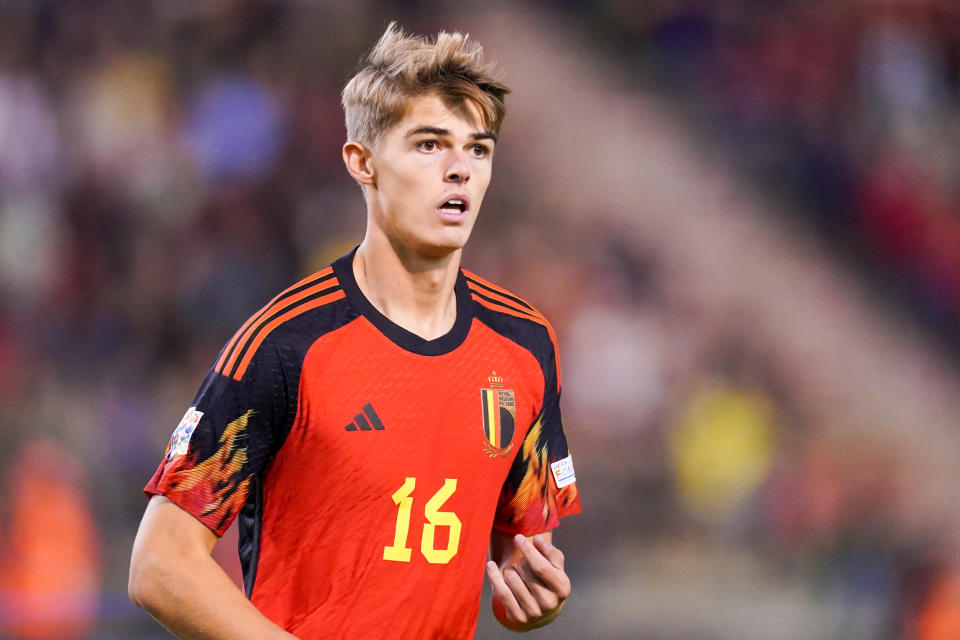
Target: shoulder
(513, 317)
(281, 321)
(498, 299)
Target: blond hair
(401, 67)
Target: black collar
(404, 339)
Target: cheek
(399, 187)
(482, 170)
(481, 178)
(411, 180)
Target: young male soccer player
(382, 425)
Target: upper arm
(169, 533)
(168, 538)
(165, 523)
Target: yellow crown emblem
(495, 381)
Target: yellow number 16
(398, 551)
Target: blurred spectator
(234, 128)
(29, 137)
(50, 574)
(722, 448)
(939, 616)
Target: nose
(457, 169)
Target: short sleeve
(225, 438)
(541, 485)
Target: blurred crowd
(847, 115)
(167, 167)
(848, 110)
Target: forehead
(431, 111)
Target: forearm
(200, 602)
(174, 578)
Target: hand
(530, 591)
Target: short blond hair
(401, 67)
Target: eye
(480, 150)
(427, 145)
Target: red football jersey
(368, 465)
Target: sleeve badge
(180, 440)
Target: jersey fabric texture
(366, 464)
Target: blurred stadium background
(743, 218)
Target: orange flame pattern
(534, 507)
(216, 488)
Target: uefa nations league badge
(180, 440)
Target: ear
(359, 163)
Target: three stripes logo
(366, 420)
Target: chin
(435, 243)
(441, 250)
(442, 247)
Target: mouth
(454, 208)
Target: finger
(545, 596)
(554, 555)
(504, 594)
(552, 576)
(521, 592)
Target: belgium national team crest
(499, 419)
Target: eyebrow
(437, 131)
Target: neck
(414, 291)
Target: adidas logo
(366, 420)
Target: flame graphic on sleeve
(532, 507)
(213, 490)
(532, 498)
(568, 499)
(535, 505)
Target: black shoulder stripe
(257, 318)
(306, 285)
(502, 293)
(260, 326)
(505, 306)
